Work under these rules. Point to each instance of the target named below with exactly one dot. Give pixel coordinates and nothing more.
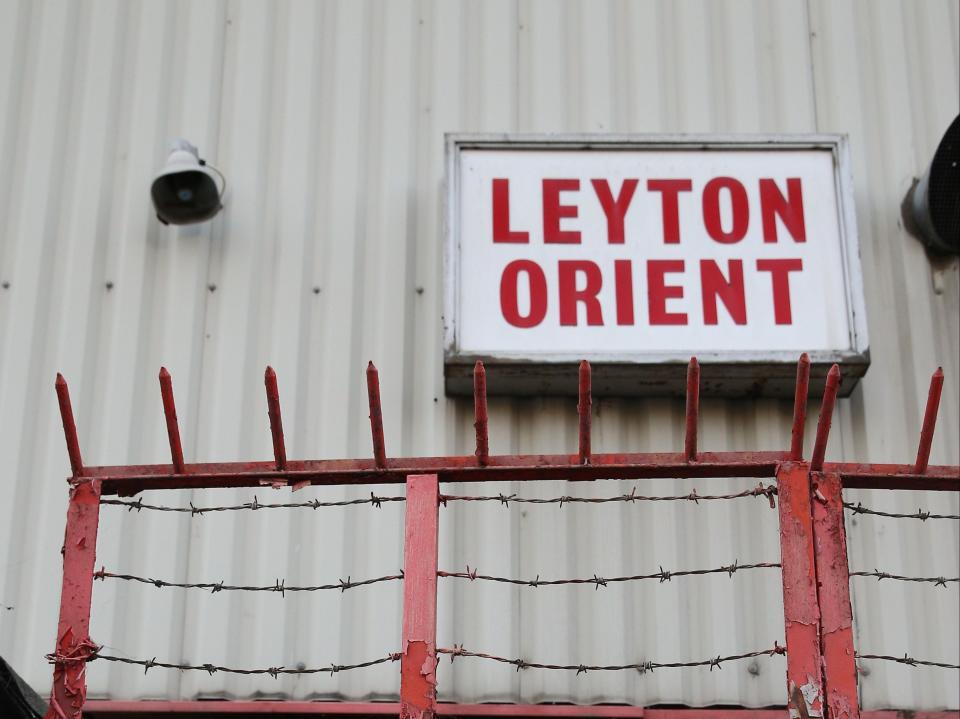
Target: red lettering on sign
(669, 190)
(615, 210)
(731, 291)
(570, 295)
(711, 209)
(509, 304)
(553, 212)
(658, 292)
(623, 281)
(780, 280)
(773, 203)
(501, 215)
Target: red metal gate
(821, 672)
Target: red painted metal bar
(833, 596)
(276, 421)
(170, 414)
(376, 416)
(418, 661)
(480, 413)
(800, 407)
(693, 410)
(585, 411)
(131, 479)
(826, 417)
(801, 614)
(139, 708)
(69, 426)
(74, 647)
(929, 422)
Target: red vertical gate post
(74, 647)
(833, 582)
(800, 610)
(418, 659)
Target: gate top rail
(127, 480)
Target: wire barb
(211, 669)
(642, 667)
(138, 505)
(936, 581)
(279, 585)
(920, 514)
(761, 490)
(662, 576)
(908, 660)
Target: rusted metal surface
(801, 614)
(826, 418)
(170, 415)
(833, 596)
(69, 426)
(800, 407)
(585, 411)
(376, 416)
(276, 421)
(418, 661)
(74, 646)
(480, 413)
(929, 422)
(131, 479)
(692, 410)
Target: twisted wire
(662, 576)
(761, 490)
(278, 586)
(643, 667)
(920, 514)
(193, 511)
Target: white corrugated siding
(327, 119)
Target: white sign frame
(856, 357)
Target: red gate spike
(276, 423)
(800, 407)
(376, 416)
(929, 422)
(170, 413)
(480, 413)
(584, 409)
(693, 410)
(69, 426)
(826, 417)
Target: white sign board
(645, 251)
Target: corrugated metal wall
(327, 119)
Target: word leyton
(726, 285)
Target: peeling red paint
(74, 647)
(800, 611)
(418, 663)
(418, 675)
(833, 580)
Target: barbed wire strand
(139, 505)
(274, 672)
(920, 514)
(278, 586)
(909, 661)
(761, 490)
(458, 651)
(662, 576)
(937, 581)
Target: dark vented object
(931, 209)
